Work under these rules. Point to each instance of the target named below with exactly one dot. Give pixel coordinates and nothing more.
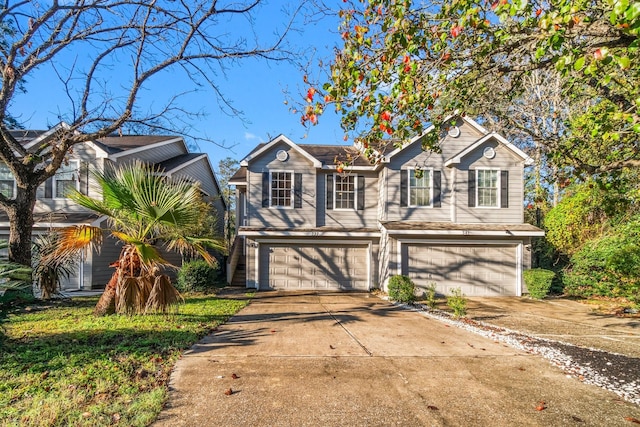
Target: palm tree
(144, 210)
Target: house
(53, 209)
(453, 218)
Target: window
(487, 188)
(66, 179)
(419, 187)
(7, 183)
(281, 189)
(345, 192)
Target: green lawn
(61, 366)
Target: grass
(61, 366)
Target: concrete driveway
(336, 359)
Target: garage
(311, 267)
(479, 270)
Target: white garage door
(330, 267)
(477, 270)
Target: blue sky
(256, 87)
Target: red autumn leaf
(313, 118)
(385, 116)
(538, 12)
(228, 392)
(632, 420)
(234, 376)
(456, 31)
(406, 59)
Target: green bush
(538, 281)
(457, 302)
(402, 289)
(608, 266)
(197, 276)
(430, 295)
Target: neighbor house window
(419, 187)
(345, 192)
(487, 188)
(66, 179)
(7, 182)
(281, 193)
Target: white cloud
(249, 136)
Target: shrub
(457, 302)
(608, 266)
(197, 276)
(430, 295)
(402, 289)
(538, 281)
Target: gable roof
(328, 153)
(117, 146)
(493, 135)
(170, 165)
(280, 138)
(431, 128)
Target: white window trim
(293, 185)
(355, 194)
(54, 184)
(498, 190)
(430, 205)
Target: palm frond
(76, 239)
(13, 276)
(163, 295)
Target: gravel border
(612, 371)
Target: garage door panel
(477, 270)
(331, 267)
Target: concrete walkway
(338, 359)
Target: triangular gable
(431, 128)
(47, 134)
(273, 142)
(518, 152)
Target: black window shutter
(83, 177)
(329, 191)
(360, 192)
(265, 189)
(404, 188)
(472, 188)
(297, 190)
(504, 189)
(437, 191)
(48, 188)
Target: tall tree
(226, 168)
(106, 53)
(405, 64)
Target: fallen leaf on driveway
(234, 376)
(433, 408)
(228, 392)
(331, 347)
(632, 420)
(541, 406)
(273, 331)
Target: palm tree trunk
(107, 302)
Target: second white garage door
(305, 267)
(488, 270)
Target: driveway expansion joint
(353, 337)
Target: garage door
(477, 270)
(330, 267)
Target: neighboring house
(453, 218)
(54, 210)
